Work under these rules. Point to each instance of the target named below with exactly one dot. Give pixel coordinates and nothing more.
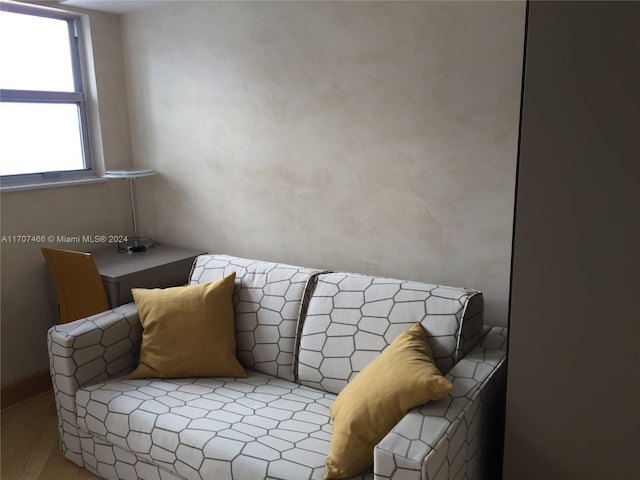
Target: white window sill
(15, 187)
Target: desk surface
(113, 264)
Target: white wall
(96, 209)
(376, 137)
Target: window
(44, 135)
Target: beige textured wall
(95, 209)
(376, 137)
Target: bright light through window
(35, 53)
(43, 120)
(58, 141)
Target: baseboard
(25, 389)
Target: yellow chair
(78, 284)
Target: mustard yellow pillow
(188, 331)
(402, 377)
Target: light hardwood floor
(30, 448)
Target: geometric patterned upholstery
(264, 427)
(452, 438)
(267, 302)
(268, 425)
(88, 351)
(351, 318)
(211, 428)
(106, 460)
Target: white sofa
(302, 334)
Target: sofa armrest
(87, 351)
(458, 436)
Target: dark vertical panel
(574, 348)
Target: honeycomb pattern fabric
(86, 351)
(351, 318)
(263, 427)
(114, 463)
(268, 298)
(452, 438)
(207, 428)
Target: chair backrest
(78, 284)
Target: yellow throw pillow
(402, 377)
(188, 331)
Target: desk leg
(113, 292)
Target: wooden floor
(30, 448)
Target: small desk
(159, 267)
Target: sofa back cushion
(351, 318)
(267, 300)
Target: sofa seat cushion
(216, 428)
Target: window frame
(78, 97)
